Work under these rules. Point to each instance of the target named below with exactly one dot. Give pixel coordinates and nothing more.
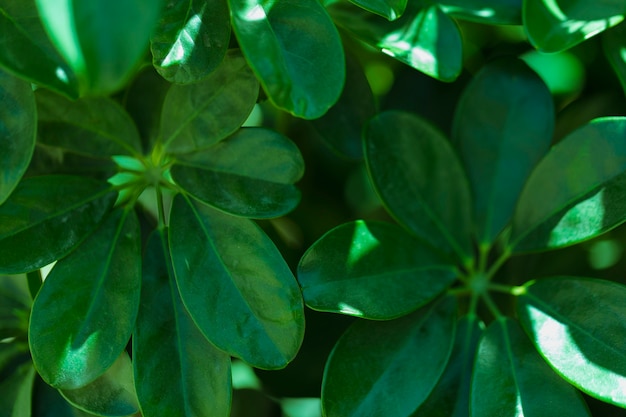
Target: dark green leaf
(503, 126)
(419, 177)
(389, 368)
(111, 394)
(178, 373)
(579, 326)
(235, 284)
(15, 305)
(389, 9)
(577, 191)
(511, 379)
(295, 51)
(48, 402)
(199, 115)
(372, 270)
(18, 129)
(251, 174)
(493, 12)
(25, 49)
(46, 217)
(191, 39)
(85, 311)
(16, 379)
(614, 42)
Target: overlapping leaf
(48, 402)
(14, 306)
(389, 9)
(16, 379)
(614, 42)
(494, 12)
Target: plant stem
(491, 305)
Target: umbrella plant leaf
(16, 379)
(191, 39)
(235, 285)
(373, 270)
(48, 402)
(295, 51)
(94, 293)
(503, 126)
(46, 217)
(389, 9)
(178, 373)
(420, 179)
(196, 116)
(389, 367)
(250, 174)
(576, 192)
(18, 129)
(578, 326)
(493, 12)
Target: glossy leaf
(614, 42)
(94, 127)
(554, 26)
(373, 270)
(295, 51)
(389, 368)
(16, 379)
(503, 126)
(18, 127)
(178, 373)
(250, 174)
(191, 39)
(578, 326)
(101, 40)
(577, 191)
(111, 394)
(99, 284)
(15, 305)
(389, 9)
(235, 284)
(25, 49)
(419, 177)
(199, 115)
(511, 379)
(494, 12)
(46, 217)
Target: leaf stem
(498, 263)
(159, 196)
(491, 305)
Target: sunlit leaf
(408, 354)
(295, 51)
(85, 311)
(494, 12)
(191, 39)
(389, 9)
(235, 284)
(373, 270)
(579, 325)
(614, 43)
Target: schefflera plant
(211, 286)
(464, 207)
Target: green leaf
(553, 26)
(26, 51)
(16, 379)
(511, 379)
(178, 373)
(101, 40)
(15, 303)
(235, 284)
(94, 294)
(199, 115)
(191, 39)
(493, 12)
(46, 217)
(95, 127)
(389, 9)
(503, 126)
(420, 179)
(614, 42)
(577, 191)
(250, 174)
(295, 51)
(18, 129)
(48, 402)
(111, 394)
(389, 368)
(579, 325)
(373, 270)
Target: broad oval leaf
(235, 285)
(294, 49)
(199, 115)
(389, 368)
(420, 179)
(511, 379)
(494, 12)
(16, 379)
(389, 9)
(373, 270)
(576, 192)
(178, 373)
(46, 217)
(85, 311)
(503, 126)
(191, 39)
(18, 129)
(250, 174)
(579, 325)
